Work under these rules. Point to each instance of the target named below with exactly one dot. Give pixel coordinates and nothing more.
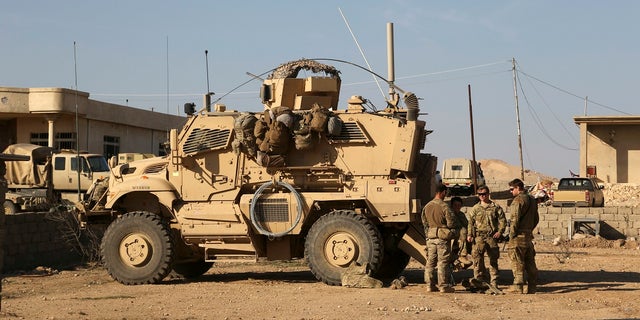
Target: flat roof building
(610, 148)
(47, 116)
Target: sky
(572, 58)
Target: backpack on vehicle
(320, 116)
(245, 140)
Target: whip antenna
(362, 52)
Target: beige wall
(610, 144)
(31, 109)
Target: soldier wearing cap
(524, 218)
(487, 223)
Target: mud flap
(413, 243)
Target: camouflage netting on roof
(291, 69)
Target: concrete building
(610, 148)
(47, 116)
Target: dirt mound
(599, 242)
(500, 171)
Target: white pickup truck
(577, 192)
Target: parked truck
(577, 192)
(457, 175)
(48, 176)
(305, 178)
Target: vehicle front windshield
(98, 164)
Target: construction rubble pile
(621, 194)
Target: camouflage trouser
(458, 248)
(438, 254)
(523, 259)
(482, 244)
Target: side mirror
(113, 161)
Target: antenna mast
(207, 97)
(78, 162)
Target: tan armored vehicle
(306, 178)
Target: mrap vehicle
(303, 179)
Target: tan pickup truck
(578, 192)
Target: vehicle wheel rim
(341, 249)
(135, 250)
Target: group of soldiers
(449, 234)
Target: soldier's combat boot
(432, 289)
(532, 288)
(516, 288)
(447, 289)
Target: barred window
(65, 140)
(62, 140)
(39, 138)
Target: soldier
(524, 218)
(440, 228)
(487, 223)
(459, 246)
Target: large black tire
(193, 269)
(137, 248)
(338, 239)
(9, 207)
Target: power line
(551, 110)
(538, 122)
(573, 94)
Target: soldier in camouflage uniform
(459, 246)
(487, 223)
(524, 218)
(440, 228)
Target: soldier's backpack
(277, 139)
(259, 131)
(304, 141)
(320, 118)
(334, 126)
(245, 140)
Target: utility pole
(474, 168)
(515, 94)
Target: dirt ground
(586, 278)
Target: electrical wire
(549, 108)
(573, 94)
(537, 120)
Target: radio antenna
(207, 97)
(78, 160)
(361, 52)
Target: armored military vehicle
(306, 178)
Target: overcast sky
(150, 54)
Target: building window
(111, 146)
(65, 140)
(41, 139)
(162, 149)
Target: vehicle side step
(235, 258)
